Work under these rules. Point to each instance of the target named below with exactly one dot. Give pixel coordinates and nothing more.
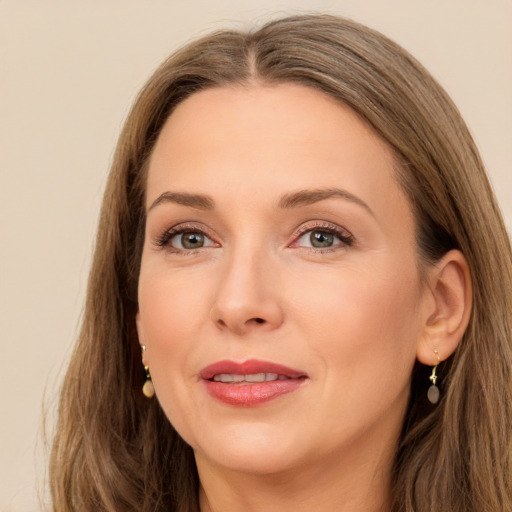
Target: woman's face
(279, 296)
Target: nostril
(259, 320)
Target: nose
(247, 297)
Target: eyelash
(346, 238)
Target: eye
(184, 239)
(324, 237)
(190, 240)
(321, 239)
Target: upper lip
(252, 366)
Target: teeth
(255, 377)
(252, 377)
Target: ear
(138, 324)
(447, 308)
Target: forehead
(266, 113)
(240, 139)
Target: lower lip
(251, 394)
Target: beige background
(68, 72)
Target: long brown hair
(116, 451)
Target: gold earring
(433, 392)
(148, 390)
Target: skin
(354, 316)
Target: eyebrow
(198, 201)
(291, 200)
(307, 197)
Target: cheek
(362, 330)
(172, 312)
(364, 321)
(171, 316)
(170, 303)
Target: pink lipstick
(250, 383)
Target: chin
(255, 449)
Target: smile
(251, 383)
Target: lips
(250, 383)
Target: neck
(357, 482)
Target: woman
(300, 256)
